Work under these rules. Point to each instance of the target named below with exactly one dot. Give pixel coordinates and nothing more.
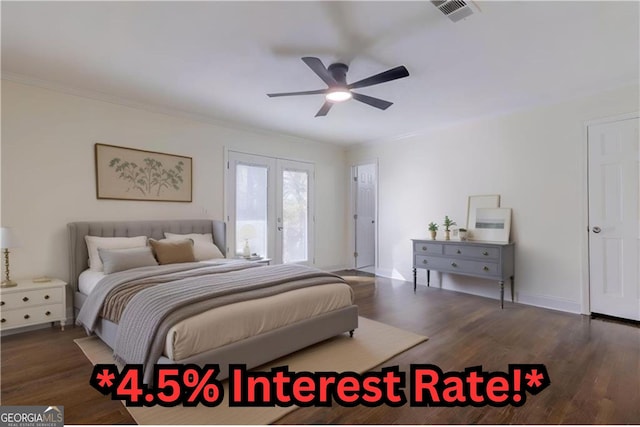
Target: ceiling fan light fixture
(339, 95)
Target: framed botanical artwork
(492, 224)
(475, 202)
(130, 174)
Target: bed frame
(253, 351)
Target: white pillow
(94, 242)
(203, 246)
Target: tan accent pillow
(172, 251)
(203, 246)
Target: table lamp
(7, 240)
(247, 232)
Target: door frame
(228, 199)
(352, 211)
(585, 306)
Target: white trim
(546, 301)
(585, 305)
(275, 166)
(159, 109)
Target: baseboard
(546, 301)
(543, 301)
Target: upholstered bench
(363, 286)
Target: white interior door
(614, 230)
(269, 204)
(365, 215)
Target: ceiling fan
(335, 76)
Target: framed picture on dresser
(493, 224)
(474, 203)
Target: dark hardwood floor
(594, 365)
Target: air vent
(455, 9)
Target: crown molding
(154, 108)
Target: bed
(253, 347)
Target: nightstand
(32, 303)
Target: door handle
(279, 228)
(596, 229)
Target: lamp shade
(248, 231)
(8, 238)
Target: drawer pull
(48, 313)
(25, 299)
(458, 251)
(47, 297)
(485, 253)
(26, 316)
(424, 261)
(3, 320)
(1, 302)
(485, 268)
(453, 264)
(424, 248)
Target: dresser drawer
(427, 248)
(31, 315)
(432, 263)
(480, 252)
(29, 298)
(475, 268)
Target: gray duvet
(170, 294)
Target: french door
(269, 204)
(614, 218)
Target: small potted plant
(433, 229)
(462, 233)
(447, 224)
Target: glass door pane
(295, 215)
(251, 209)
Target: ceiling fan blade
(318, 67)
(324, 109)
(385, 76)
(308, 92)
(374, 102)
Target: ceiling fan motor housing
(339, 72)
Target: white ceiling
(217, 60)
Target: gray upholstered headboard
(78, 255)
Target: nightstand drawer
(31, 315)
(481, 252)
(32, 297)
(427, 248)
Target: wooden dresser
(470, 258)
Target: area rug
(372, 344)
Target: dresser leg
(428, 277)
(62, 325)
(414, 279)
(502, 294)
(512, 300)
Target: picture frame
(124, 173)
(492, 224)
(475, 202)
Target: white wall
(534, 159)
(48, 176)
